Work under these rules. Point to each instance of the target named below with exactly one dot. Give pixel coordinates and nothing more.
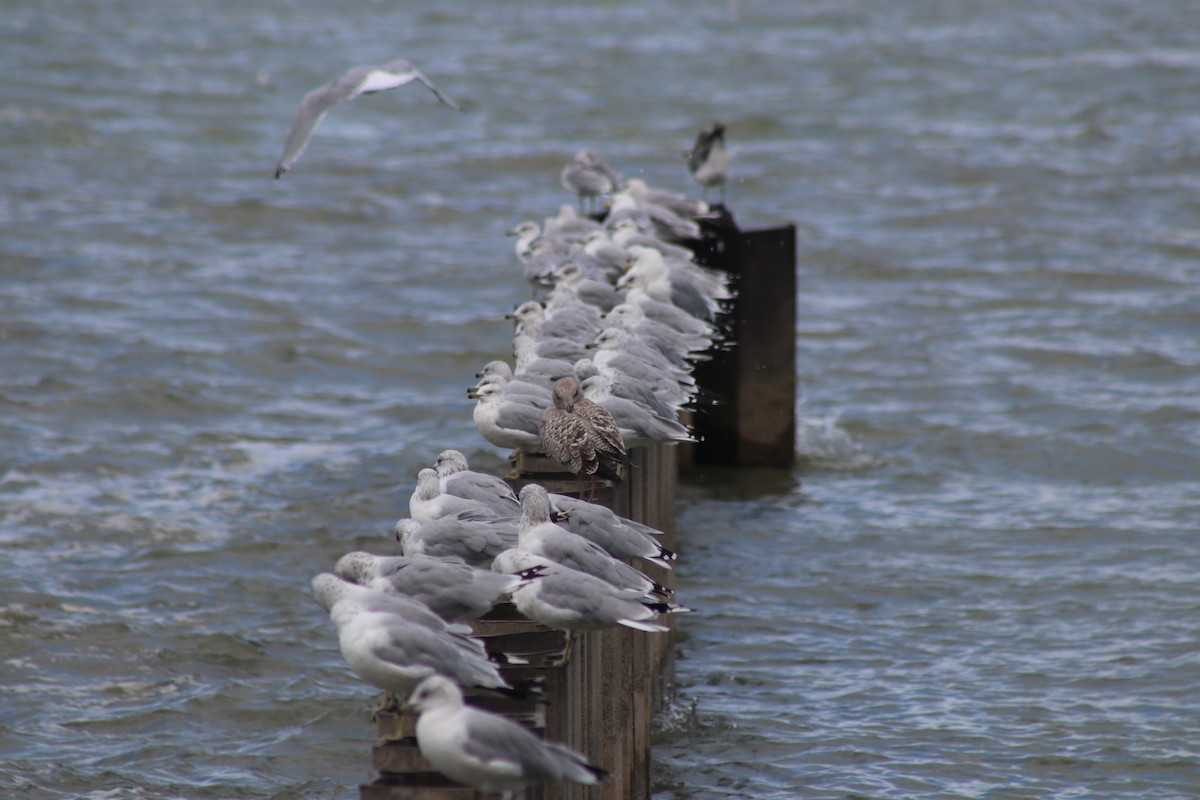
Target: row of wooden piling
(602, 702)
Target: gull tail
(639, 625)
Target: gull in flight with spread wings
(359, 80)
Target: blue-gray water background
(982, 577)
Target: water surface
(980, 578)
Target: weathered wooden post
(754, 376)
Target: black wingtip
(526, 691)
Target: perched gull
(673, 346)
(626, 233)
(661, 220)
(669, 388)
(473, 538)
(552, 348)
(569, 225)
(666, 313)
(662, 336)
(569, 600)
(507, 421)
(501, 369)
(540, 536)
(620, 537)
(388, 650)
(621, 340)
(486, 751)
(527, 233)
(529, 363)
(450, 587)
(708, 161)
(359, 80)
(680, 204)
(587, 290)
(639, 426)
(608, 254)
(678, 288)
(618, 348)
(587, 177)
(457, 479)
(581, 435)
(535, 394)
(579, 322)
(619, 384)
(543, 258)
(429, 502)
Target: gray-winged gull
(542, 537)
(587, 177)
(358, 80)
(681, 204)
(450, 587)
(569, 600)
(389, 651)
(507, 421)
(620, 537)
(476, 539)
(620, 384)
(428, 501)
(455, 477)
(486, 751)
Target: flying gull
(359, 80)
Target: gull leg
(388, 704)
(398, 734)
(566, 656)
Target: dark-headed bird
(708, 160)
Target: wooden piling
(753, 378)
(602, 702)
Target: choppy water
(982, 577)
